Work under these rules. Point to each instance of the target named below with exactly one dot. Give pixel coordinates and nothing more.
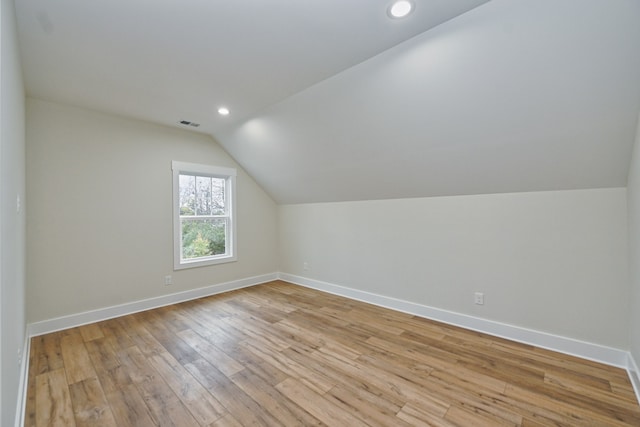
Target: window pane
(218, 196)
(204, 227)
(203, 237)
(187, 195)
(203, 195)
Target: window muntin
(204, 222)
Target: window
(203, 215)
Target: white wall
(555, 262)
(511, 96)
(100, 211)
(12, 222)
(633, 196)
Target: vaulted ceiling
(333, 100)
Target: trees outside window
(204, 223)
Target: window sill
(205, 262)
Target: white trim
(229, 175)
(634, 375)
(582, 349)
(210, 170)
(585, 350)
(73, 320)
(24, 382)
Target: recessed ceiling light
(400, 8)
(223, 111)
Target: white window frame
(229, 175)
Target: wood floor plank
(282, 355)
(353, 374)
(238, 403)
(49, 357)
(202, 405)
(164, 406)
(128, 407)
(271, 300)
(595, 393)
(77, 363)
(415, 415)
(102, 354)
(470, 380)
(210, 352)
(466, 417)
(91, 332)
(111, 374)
(400, 381)
(373, 409)
(167, 338)
(140, 336)
(172, 319)
(53, 402)
(624, 390)
(90, 405)
(532, 423)
(226, 421)
(316, 405)
(471, 394)
(287, 412)
(255, 332)
(244, 305)
(319, 382)
(116, 334)
(572, 415)
(259, 367)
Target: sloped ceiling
(513, 95)
(169, 60)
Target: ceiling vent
(188, 123)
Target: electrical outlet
(19, 356)
(478, 298)
(168, 280)
(305, 266)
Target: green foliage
(202, 238)
(200, 247)
(186, 210)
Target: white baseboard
(73, 320)
(634, 375)
(585, 350)
(24, 382)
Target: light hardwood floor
(282, 355)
